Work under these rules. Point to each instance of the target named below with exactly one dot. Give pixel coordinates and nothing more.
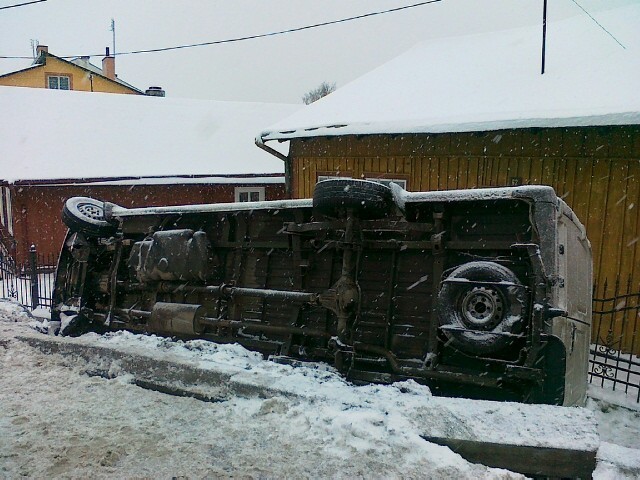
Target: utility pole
(113, 29)
(544, 34)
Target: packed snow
(184, 180)
(119, 212)
(57, 421)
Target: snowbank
(57, 421)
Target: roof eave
(426, 127)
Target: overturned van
(482, 293)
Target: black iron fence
(29, 283)
(616, 316)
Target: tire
(367, 200)
(86, 215)
(480, 313)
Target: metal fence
(616, 316)
(29, 283)
(617, 313)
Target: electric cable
(21, 4)
(250, 37)
(598, 23)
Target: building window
(3, 218)
(515, 181)
(7, 202)
(59, 82)
(386, 181)
(322, 178)
(249, 194)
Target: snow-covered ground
(55, 421)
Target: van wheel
(86, 215)
(479, 306)
(367, 200)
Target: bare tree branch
(324, 89)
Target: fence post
(33, 260)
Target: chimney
(40, 49)
(109, 66)
(155, 92)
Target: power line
(253, 37)
(282, 32)
(22, 4)
(597, 23)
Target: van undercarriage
(456, 290)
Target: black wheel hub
(91, 211)
(482, 308)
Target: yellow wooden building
(50, 71)
(449, 115)
(596, 170)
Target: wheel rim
(482, 308)
(92, 211)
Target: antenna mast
(34, 46)
(113, 29)
(544, 34)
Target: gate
(616, 318)
(30, 283)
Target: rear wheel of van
(481, 307)
(86, 215)
(367, 200)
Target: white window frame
(322, 178)
(7, 197)
(3, 218)
(249, 190)
(58, 77)
(384, 181)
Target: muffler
(176, 319)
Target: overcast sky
(275, 69)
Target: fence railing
(616, 318)
(29, 283)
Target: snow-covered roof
(491, 81)
(84, 63)
(51, 134)
(247, 179)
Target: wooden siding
(596, 170)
